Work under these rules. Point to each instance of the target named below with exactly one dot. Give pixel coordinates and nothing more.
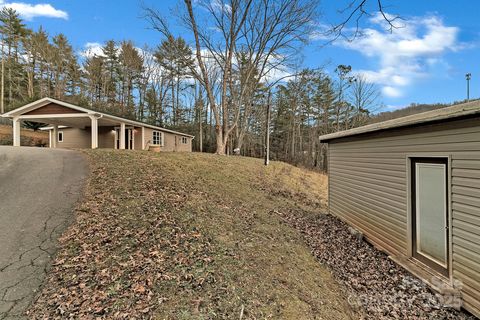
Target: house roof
(44, 101)
(461, 110)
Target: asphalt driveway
(38, 190)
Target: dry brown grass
(191, 236)
(28, 136)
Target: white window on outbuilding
(157, 138)
(60, 136)
(184, 140)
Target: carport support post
(94, 132)
(55, 136)
(122, 135)
(16, 132)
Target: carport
(85, 128)
(58, 113)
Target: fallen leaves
(124, 250)
(376, 285)
(189, 236)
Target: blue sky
(423, 61)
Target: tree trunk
(177, 101)
(200, 134)
(200, 121)
(220, 140)
(267, 134)
(174, 110)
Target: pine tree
(94, 67)
(176, 58)
(13, 32)
(112, 67)
(63, 59)
(131, 68)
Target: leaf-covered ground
(377, 286)
(190, 236)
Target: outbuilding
(73, 126)
(412, 187)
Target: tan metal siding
(75, 138)
(368, 186)
(466, 225)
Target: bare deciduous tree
(354, 12)
(266, 33)
(364, 97)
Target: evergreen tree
(176, 58)
(13, 32)
(131, 68)
(112, 69)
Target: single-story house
(412, 187)
(72, 126)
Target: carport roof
(45, 101)
(457, 111)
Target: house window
(184, 140)
(157, 138)
(60, 136)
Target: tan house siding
(81, 138)
(106, 137)
(184, 147)
(137, 138)
(74, 138)
(148, 137)
(171, 141)
(369, 188)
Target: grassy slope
(190, 236)
(29, 137)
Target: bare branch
(356, 11)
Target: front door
(129, 139)
(430, 212)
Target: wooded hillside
(411, 109)
(161, 86)
(220, 96)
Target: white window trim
(162, 138)
(184, 139)
(58, 136)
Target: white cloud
(278, 74)
(391, 92)
(29, 11)
(91, 49)
(219, 5)
(405, 55)
(321, 32)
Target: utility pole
(468, 76)
(267, 132)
